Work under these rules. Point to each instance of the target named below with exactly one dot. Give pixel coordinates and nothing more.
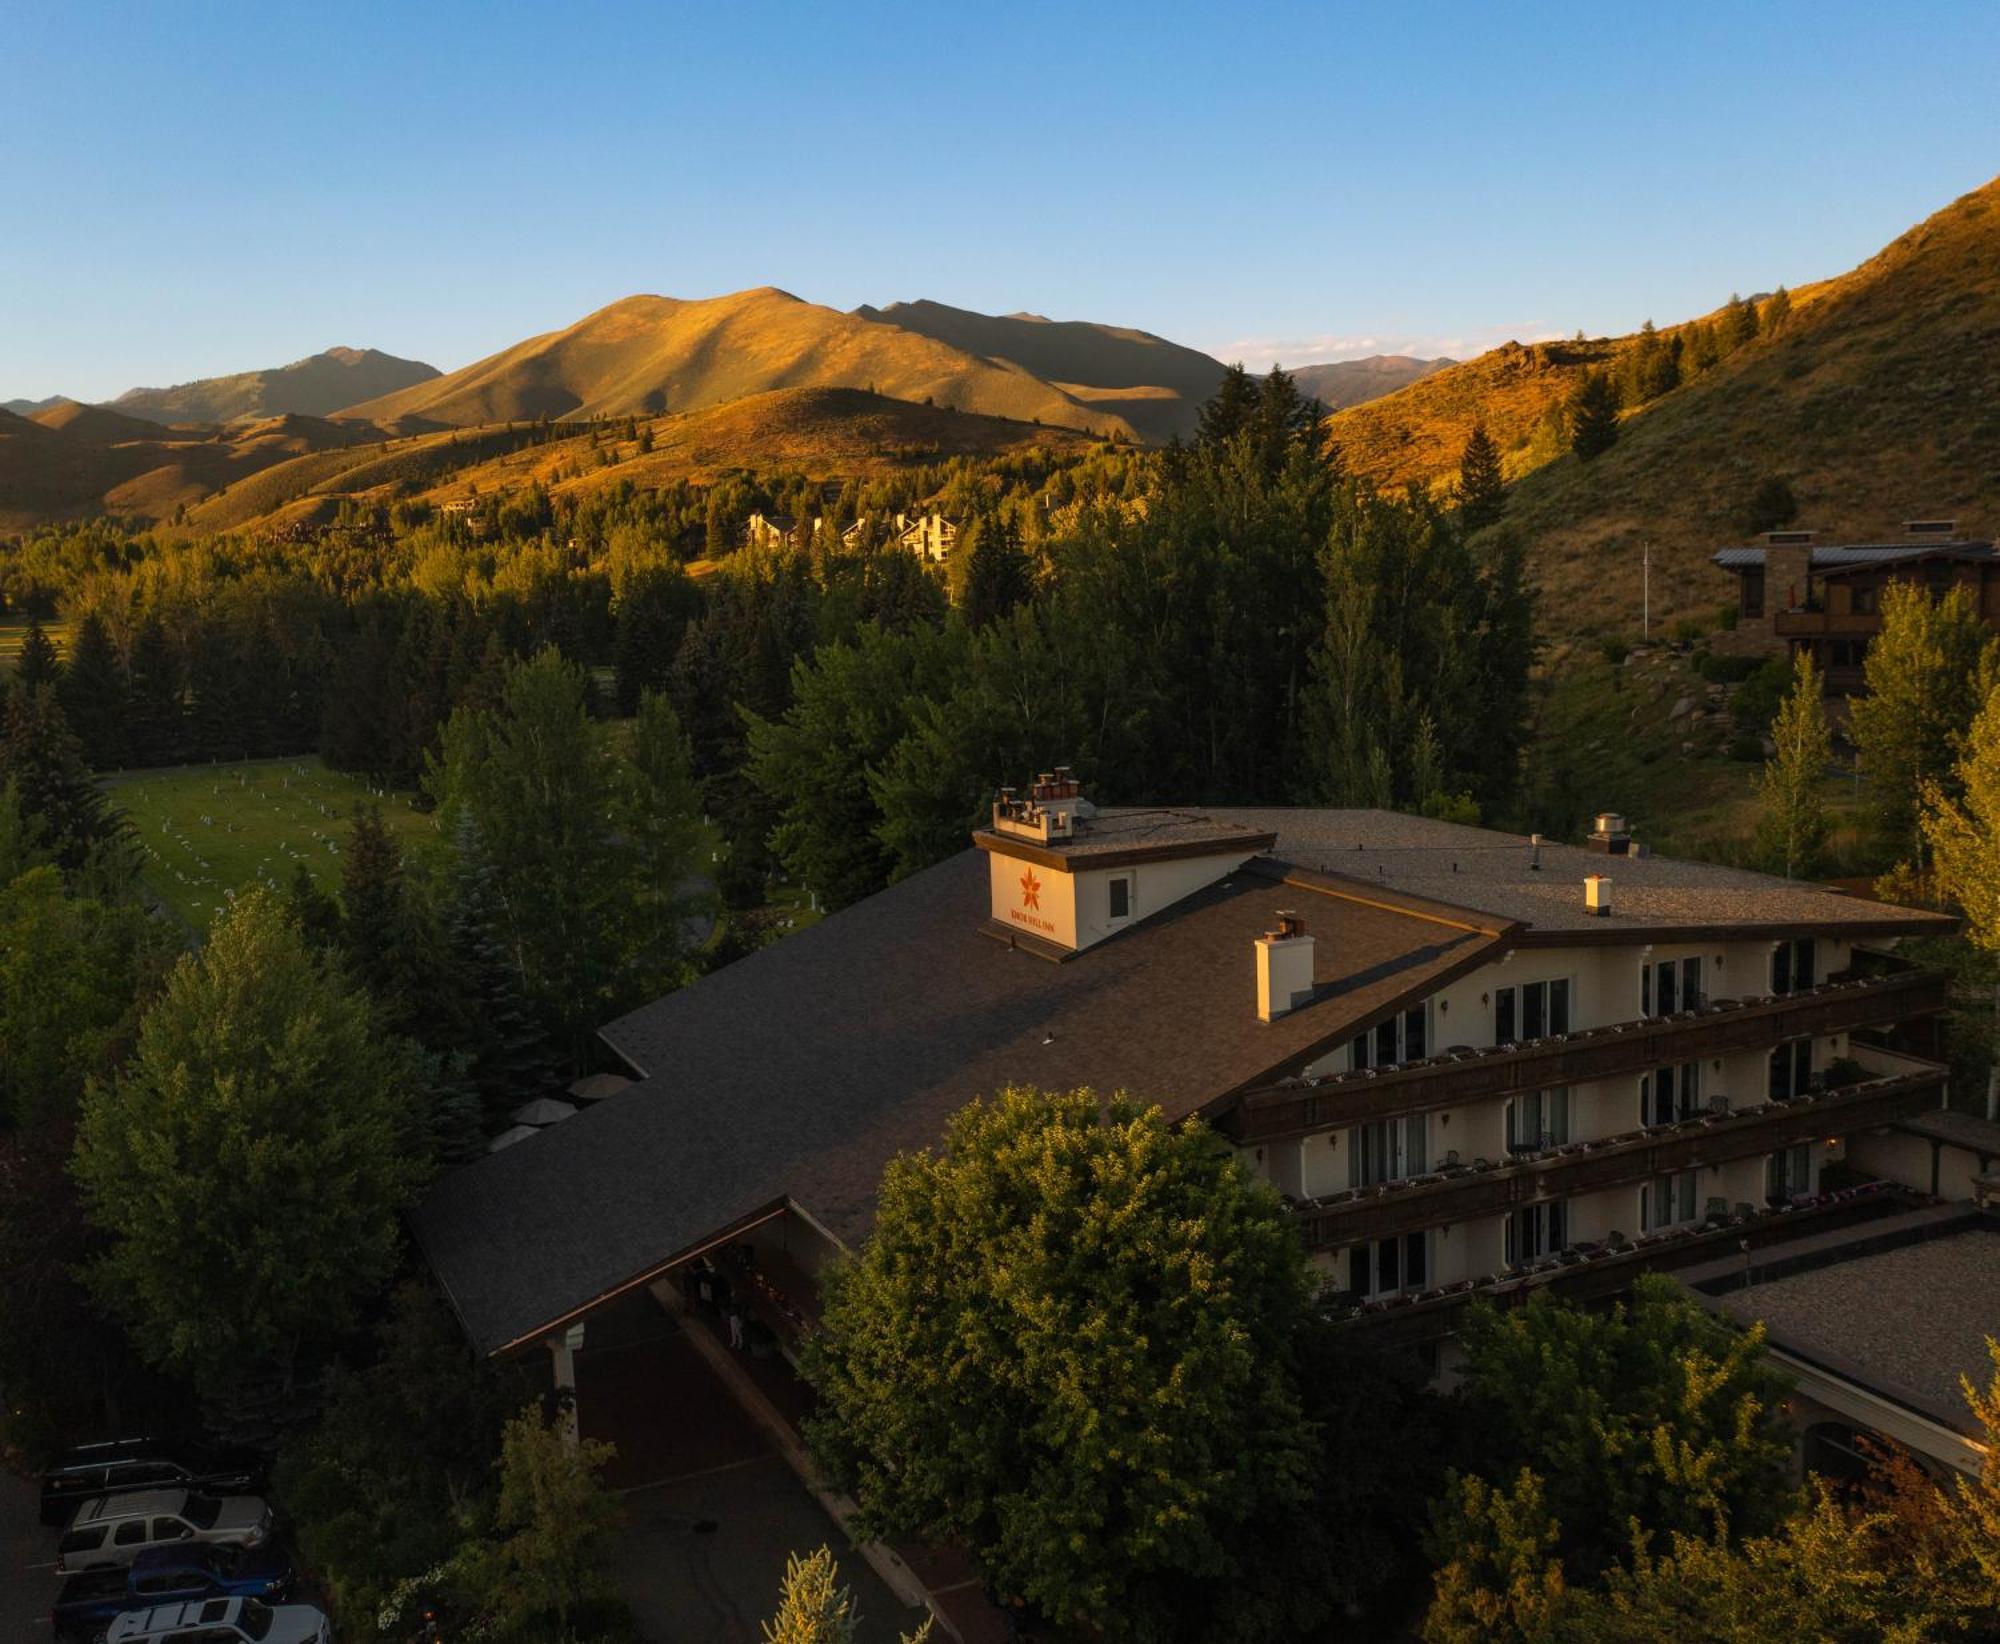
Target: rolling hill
(827, 431)
(313, 386)
(1157, 386)
(1341, 383)
(1873, 401)
(646, 355)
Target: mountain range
(1871, 401)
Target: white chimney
(1597, 894)
(1284, 968)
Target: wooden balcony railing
(1303, 1108)
(1825, 624)
(1465, 1191)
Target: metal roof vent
(1787, 539)
(1930, 527)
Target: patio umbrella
(507, 1138)
(543, 1110)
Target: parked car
(121, 1465)
(222, 1621)
(186, 1573)
(114, 1530)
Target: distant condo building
(1474, 1064)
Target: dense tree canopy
(1066, 1346)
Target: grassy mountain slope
(1341, 383)
(648, 355)
(313, 386)
(1873, 402)
(821, 431)
(95, 424)
(1155, 385)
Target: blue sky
(192, 188)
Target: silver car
(108, 1532)
(222, 1621)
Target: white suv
(108, 1532)
(222, 1621)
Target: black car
(120, 1465)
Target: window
(1791, 1069)
(132, 1533)
(201, 1511)
(1788, 1173)
(1387, 1151)
(1668, 1201)
(1669, 986)
(171, 1529)
(1388, 1267)
(1867, 599)
(1668, 1095)
(1753, 593)
(1538, 1120)
(1533, 1010)
(1118, 892)
(1536, 1230)
(1792, 966)
(81, 1541)
(1400, 1038)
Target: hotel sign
(1037, 900)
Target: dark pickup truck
(92, 1599)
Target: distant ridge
(646, 355)
(1157, 386)
(313, 386)
(28, 408)
(1338, 384)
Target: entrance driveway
(27, 1561)
(713, 1510)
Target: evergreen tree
(1230, 411)
(314, 913)
(156, 705)
(1777, 310)
(375, 921)
(1593, 416)
(1923, 671)
(92, 691)
(42, 762)
(1769, 506)
(249, 1165)
(998, 577)
(653, 611)
(37, 665)
(1739, 324)
(1482, 493)
(1792, 827)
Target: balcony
(1464, 1191)
(1335, 1101)
(1808, 624)
(1594, 1270)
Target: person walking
(735, 1328)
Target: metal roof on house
(1851, 556)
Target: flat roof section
(1906, 1322)
(1493, 872)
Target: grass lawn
(210, 829)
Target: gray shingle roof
(1484, 869)
(1845, 556)
(798, 1072)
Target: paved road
(27, 1559)
(702, 1557)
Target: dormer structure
(1063, 875)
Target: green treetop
(1791, 827)
(1482, 494)
(1593, 416)
(1063, 1346)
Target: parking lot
(27, 1562)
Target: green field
(210, 829)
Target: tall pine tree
(1593, 416)
(1482, 494)
(38, 664)
(92, 693)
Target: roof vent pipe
(1597, 894)
(1284, 968)
(1535, 852)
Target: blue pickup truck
(92, 1599)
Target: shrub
(1726, 670)
(1755, 704)
(1614, 649)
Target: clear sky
(193, 188)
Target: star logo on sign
(1031, 890)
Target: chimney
(1608, 834)
(1535, 851)
(1284, 968)
(1931, 529)
(1597, 894)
